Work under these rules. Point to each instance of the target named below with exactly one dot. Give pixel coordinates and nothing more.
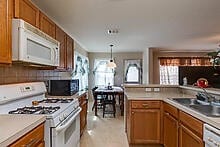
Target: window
(103, 74)
(132, 71)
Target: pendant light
(111, 63)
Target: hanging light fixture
(111, 63)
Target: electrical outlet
(148, 89)
(156, 89)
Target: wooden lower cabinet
(188, 138)
(143, 123)
(150, 122)
(83, 114)
(170, 130)
(145, 126)
(34, 138)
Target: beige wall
(119, 60)
(154, 62)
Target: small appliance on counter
(63, 87)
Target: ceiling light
(111, 63)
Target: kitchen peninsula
(153, 117)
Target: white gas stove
(62, 127)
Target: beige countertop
(12, 127)
(155, 95)
(164, 96)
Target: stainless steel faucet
(210, 98)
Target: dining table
(118, 92)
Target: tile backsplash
(18, 73)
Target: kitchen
(58, 36)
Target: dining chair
(109, 100)
(99, 99)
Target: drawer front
(33, 138)
(171, 110)
(191, 122)
(145, 104)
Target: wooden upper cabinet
(47, 25)
(5, 31)
(25, 10)
(69, 53)
(60, 36)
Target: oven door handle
(69, 121)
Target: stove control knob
(60, 119)
(64, 116)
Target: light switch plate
(148, 89)
(156, 89)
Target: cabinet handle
(145, 105)
(32, 141)
(167, 113)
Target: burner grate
(35, 110)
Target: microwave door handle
(65, 125)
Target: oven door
(67, 134)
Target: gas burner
(56, 100)
(35, 110)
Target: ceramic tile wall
(20, 73)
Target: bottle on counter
(184, 81)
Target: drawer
(145, 104)
(171, 110)
(33, 138)
(191, 122)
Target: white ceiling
(174, 24)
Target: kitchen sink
(208, 110)
(203, 107)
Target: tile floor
(105, 132)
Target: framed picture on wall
(133, 71)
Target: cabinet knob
(145, 105)
(132, 112)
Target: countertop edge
(22, 132)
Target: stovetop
(35, 110)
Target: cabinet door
(187, 138)
(69, 52)
(47, 26)
(145, 125)
(25, 10)
(170, 130)
(83, 117)
(5, 31)
(60, 36)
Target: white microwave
(31, 45)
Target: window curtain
(185, 61)
(81, 70)
(169, 75)
(129, 64)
